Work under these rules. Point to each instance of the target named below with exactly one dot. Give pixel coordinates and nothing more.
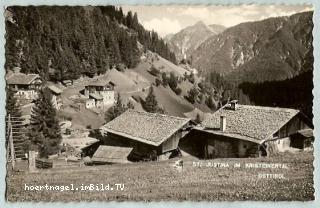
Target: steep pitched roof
(112, 154)
(55, 89)
(99, 82)
(249, 122)
(80, 142)
(96, 96)
(20, 78)
(150, 128)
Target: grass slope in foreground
(156, 181)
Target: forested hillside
(267, 50)
(67, 42)
(291, 93)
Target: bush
(201, 86)
(120, 67)
(192, 95)
(164, 79)
(154, 71)
(173, 81)
(68, 131)
(192, 78)
(69, 118)
(177, 91)
(158, 82)
(87, 161)
(210, 103)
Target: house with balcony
(25, 86)
(99, 93)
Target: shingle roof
(20, 78)
(111, 154)
(150, 128)
(248, 121)
(99, 82)
(81, 142)
(55, 89)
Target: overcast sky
(173, 18)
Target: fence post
(32, 161)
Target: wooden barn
(152, 136)
(246, 131)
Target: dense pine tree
(197, 120)
(290, 93)
(77, 40)
(116, 110)
(210, 103)
(44, 131)
(151, 103)
(192, 95)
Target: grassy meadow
(155, 181)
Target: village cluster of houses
(97, 94)
(26, 88)
(232, 131)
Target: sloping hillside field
(156, 181)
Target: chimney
(223, 123)
(234, 104)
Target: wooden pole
(10, 140)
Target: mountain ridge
(184, 42)
(274, 48)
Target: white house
(100, 94)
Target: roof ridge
(158, 114)
(263, 107)
(155, 131)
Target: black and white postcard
(157, 103)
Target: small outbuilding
(111, 154)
